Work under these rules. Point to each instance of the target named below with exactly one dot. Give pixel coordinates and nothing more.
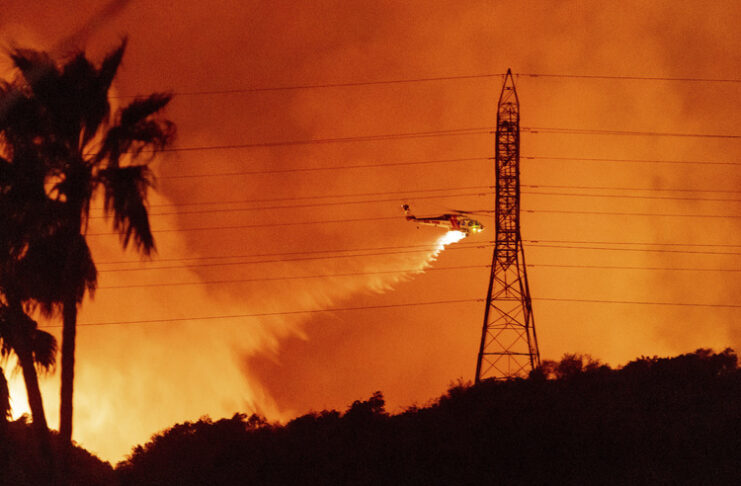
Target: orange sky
(136, 379)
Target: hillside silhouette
(576, 421)
(22, 463)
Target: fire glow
(192, 368)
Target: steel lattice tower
(509, 347)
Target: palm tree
(33, 348)
(19, 333)
(86, 151)
(27, 228)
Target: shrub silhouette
(22, 465)
(661, 420)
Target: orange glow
(135, 379)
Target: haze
(137, 378)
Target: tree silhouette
(34, 349)
(675, 421)
(86, 151)
(26, 226)
(366, 410)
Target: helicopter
(457, 221)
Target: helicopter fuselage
(452, 221)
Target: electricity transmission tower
(509, 347)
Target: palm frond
(21, 119)
(74, 95)
(5, 332)
(142, 108)
(110, 65)
(137, 129)
(22, 185)
(45, 88)
(9, 96)
(19, 329)
(94, 85)
(83, 270)
(77, 186)
(84, 107)
(6, 175)
(38, 70)
(54, 266)
(126, 196)
(44, 348)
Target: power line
(630, 196)
(439, 133)
(270, 314)
(637, 161)
(281, 260)
(311, 205)
(427, 162)
(587, 131)
(388, 218)
(359, 138)
(609, 213)
(443, 189)
(323, 196)
(650, 250)
(334, 167)
(404, 271)
(637, 302)
(430, 247)
(632, 78)
(394, 251)
(375, 201)
(313, 141)
(623, 188)
(637, 243)
(296, 87)
(295, 277)
(445, 196)
(386, 306)
(621, 267)
(441, 196)
(262, 225)
(410, 192)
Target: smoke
(134, 379)
(180, 370)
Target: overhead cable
(408, 271)
(638, 161)
(434, 134)
(274, 224)
(270, 314)
(386, 306)
(452, 77)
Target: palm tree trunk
(69, 314)
(31, 379)
(35, 402)
(23, 336)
